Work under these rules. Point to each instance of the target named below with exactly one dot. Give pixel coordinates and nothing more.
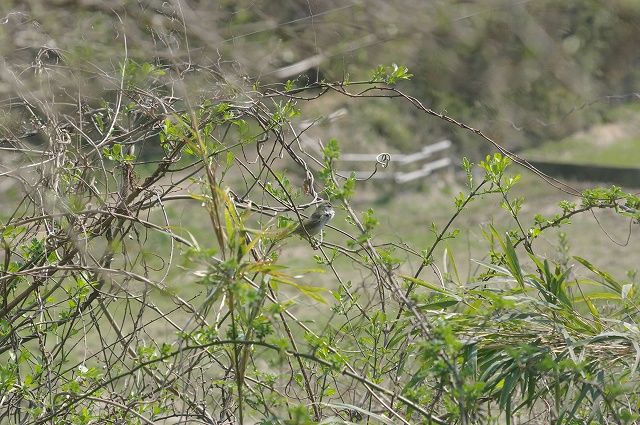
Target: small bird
(314, 224)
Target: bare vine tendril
(383, 159)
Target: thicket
(95, 326)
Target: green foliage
(282, 189)
(390, 74)
(137, 76)
(331, 152)
(138, 286)
(115, 153)
(332, 188)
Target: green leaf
(592, 296)
(310, 291)
(425, 284)
(449, 256)
(440, 304)
(610, 281)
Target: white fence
(401, 160)
(396, 161)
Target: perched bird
(314, 224)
